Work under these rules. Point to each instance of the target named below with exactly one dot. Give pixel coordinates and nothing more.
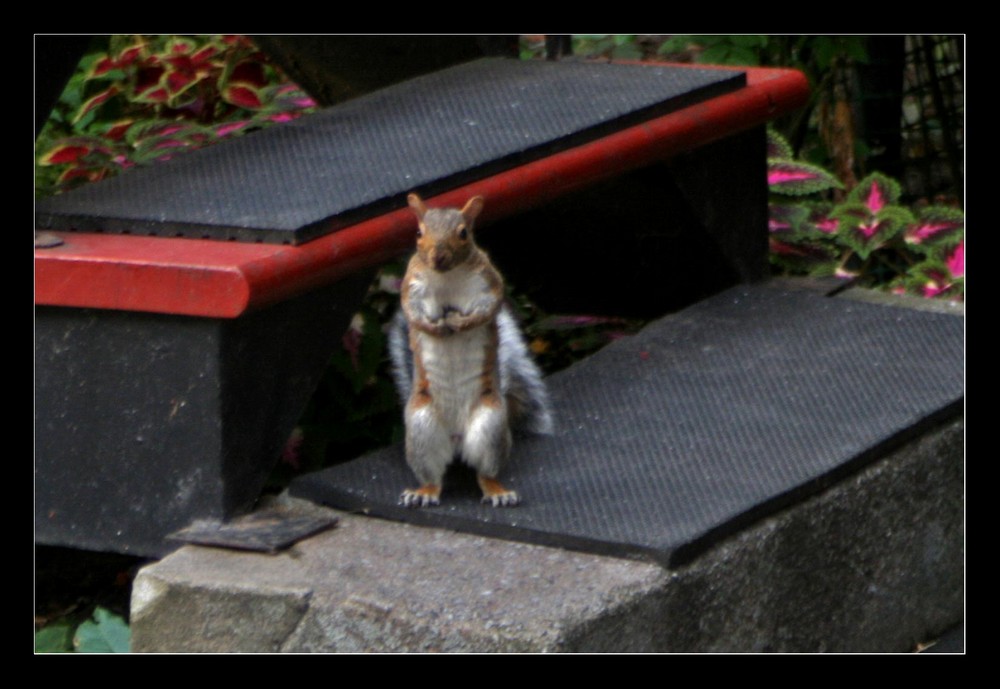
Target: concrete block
(875, 563)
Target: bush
(139, 99)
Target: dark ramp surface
(705, 421)
(300, 180)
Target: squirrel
(460, 364)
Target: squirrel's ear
(473, 208)
(417, 204)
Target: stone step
(866, 558)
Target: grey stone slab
(873, 563)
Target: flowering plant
(865, 235)
(145, 98)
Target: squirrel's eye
(420, 232)
(463, 234)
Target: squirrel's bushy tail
(520, 378)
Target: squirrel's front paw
(424, 496)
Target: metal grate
(933, 130)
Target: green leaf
(854, 48)
(715, 55)
(866, 232)
(106, 633)
(749, 41)
(825, 50)
(627, 51)
(55, 638)
(675, 44)
(778, 146)
(743, 56)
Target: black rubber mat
(300, 180)
(705, 421)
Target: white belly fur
(454, 366)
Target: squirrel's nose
(441, 260)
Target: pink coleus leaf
(148, 77)
(228, 128)
(786, 218)
(153, 95)
(864, 231)
(103, 66)
(130, 55)
(61, 154)
(170, 143)
(956, 261)
(117, 130)
(782, 176)
(826, 225)
(203, 55)
(939, 276)
(179, 46)
(243, 96)
(90, 174)
(936, 282)
(876, 191)
(868, 229)
(936, 226)
(178, 80)
(95, 102)
(875, 200)
(249, 73)
(797, 178)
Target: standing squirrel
(460, 364)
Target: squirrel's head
(444, 235)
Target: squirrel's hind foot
(496, 495)
(424, 496)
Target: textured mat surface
(704, 421)
(300, 180)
